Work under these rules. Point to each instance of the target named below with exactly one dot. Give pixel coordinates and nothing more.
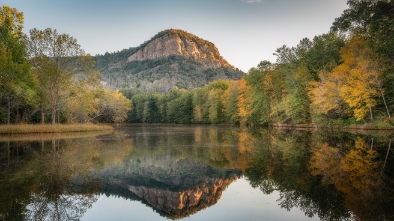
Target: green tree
(230, 103)
(58, 61)
(15, 79)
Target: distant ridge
(170, 58)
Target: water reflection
(181, 170)
(336, 176)
(49, 178)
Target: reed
(58, 128)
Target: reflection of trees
(56, 198)
(330, 182)
(336, 177)
(51, 179)
(358, 174)
(61, 207)
(219, 147)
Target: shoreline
(66, 128)
(333, 127)
(48, 128)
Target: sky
(245, 31)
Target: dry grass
(58, 128)
(50, 136)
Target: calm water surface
(158, 172)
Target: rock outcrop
(179, 204)
(180, 43)
(172, 58)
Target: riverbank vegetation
(343, 78)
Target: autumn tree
(114, 106)
(362, 82)
(373, 19)
(58, 61)
(358, 82)
(243, 101)
(325, 94)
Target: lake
(182, 172)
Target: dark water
(197, 173)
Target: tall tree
(362, 77)
(15, 78)
(244, 102)
(357, 81)
(58, 61)
(373, 19)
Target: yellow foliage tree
(244, 102)
(357, 81)
(325, 95)
(90, 104)
(14, 18)
(361, 77)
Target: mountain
(171, 58)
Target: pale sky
(245, 31)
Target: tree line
(341, 77)
(47, 77)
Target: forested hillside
(171, 58)
(343, 77)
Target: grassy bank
(380, 124)
(46, 128)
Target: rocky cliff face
(179, 204)
(172, 58)
(180, 43)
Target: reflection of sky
(245, 31)
(238, 202)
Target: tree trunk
(42, 114)
(9, 111)
(381, 92)
(372, 144)
(53, 115)
(370, 111)
(385, 104)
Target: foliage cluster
(48, 74)
(161, 75)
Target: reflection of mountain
(174, 188)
